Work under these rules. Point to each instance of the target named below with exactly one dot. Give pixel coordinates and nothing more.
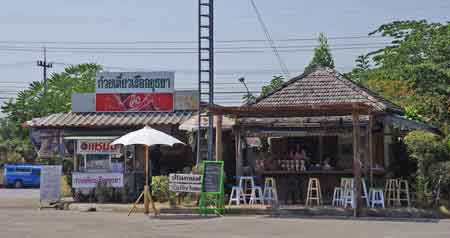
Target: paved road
(19, 198)
(68, 224)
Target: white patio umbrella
(146, 136)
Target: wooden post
(146, 187)
(219, 146)
(370, 135)
(75, 159)
(146, 194)
(321, 148)
(238, 153)
(386, 142)
(356, 162)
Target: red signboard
(97, 147)
(129, 102)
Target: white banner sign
(50, 183)
(97, 147)
(91, 180)
(190, 183)
(135, 82)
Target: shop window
(97, 163)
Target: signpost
(212, 195)
(100, 147)
(135, 91)
(91, 180)
(189, 183)
(50, 183)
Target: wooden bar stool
(314, 192)
(392, 193)
(270, 195)
(403, 192)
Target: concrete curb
(415, 215)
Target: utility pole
(205, 78)
(44, 65)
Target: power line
(283, 66)
(354, 37)
(14, 47)
(130, 53)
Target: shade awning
(90, 137)
(406, 124)
(109, 119)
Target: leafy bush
(103, 193)
(160, 188)
(431, 153)
(198, 169)
(439, 173)
(426, 147)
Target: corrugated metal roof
(324, 86)
(109, 119)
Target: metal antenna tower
(205, 78)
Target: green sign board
(212, 195)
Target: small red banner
(129, 102)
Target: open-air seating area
(247, 192)
(395, 193)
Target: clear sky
(75, 24)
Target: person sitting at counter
(291, 154)
(326, 164)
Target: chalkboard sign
(212, 177)
(212, 197)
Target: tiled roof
(324, 86)
(109, 119)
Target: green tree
(275, 83)
(419, 54)
(413, 71)
(359, 73)
(322, 54)
(39, 100)
(248, 98)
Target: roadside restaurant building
(123, 102)
(319, 125)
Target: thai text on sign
(97, 147)
(191, 183)
(91, 180)
(135, 82)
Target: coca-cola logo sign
(97, 147)
(134, 102)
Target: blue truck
(22, 175)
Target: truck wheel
(18, 184)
